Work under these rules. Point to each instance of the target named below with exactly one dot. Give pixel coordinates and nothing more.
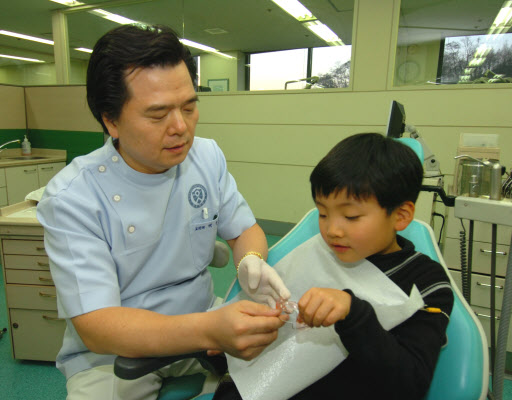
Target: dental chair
(462, 371)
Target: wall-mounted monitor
(396, 122)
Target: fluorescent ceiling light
(85, 50)
(295, 9)
(123, 21)
(302, 14)
(22, 58)
(324, 32)
(98, 12)
(70, 3)
(112, 17)
(26, 37)
(504, 16)
(200, 46)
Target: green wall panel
(11, 134)
(76, 143)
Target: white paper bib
(299, 358)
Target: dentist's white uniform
(118, 237)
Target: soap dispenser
(26, 148)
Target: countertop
(20, 219)
(23, 213)
(14, 158)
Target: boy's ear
(404, 214)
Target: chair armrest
(133, 368)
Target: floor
(22, 380)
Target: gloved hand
(261, 282)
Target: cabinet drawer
(24, 276)
(481, 289)
(36, 335)
(47, 171)
(481, 256)
(27, 262)
(31, 297)
(483, 315)
(32, 247)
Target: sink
(26, 158)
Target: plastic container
(26, 148)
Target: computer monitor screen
(396, 123)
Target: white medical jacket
(118, 237)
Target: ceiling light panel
(295, 9)
(26, 37)
(21, 58)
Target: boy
(365, 189)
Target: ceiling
(244, 25)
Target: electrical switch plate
(478, 209)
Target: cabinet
(481, 265)
(36, 331)
(24, 179)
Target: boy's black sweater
(396, 364)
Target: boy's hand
(261, 282)
(324, 307)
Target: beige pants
(100, 383)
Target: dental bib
(300, 357)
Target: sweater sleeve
(400, 362)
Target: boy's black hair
(122, 50)
(370, 164)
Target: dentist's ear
(111, 126)
(404, 214)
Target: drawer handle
(487, 316)
(47, 168)
(487, 285)
(499, 253)
(42, 264)
(30, 171)
(40, 248)
(42, 279)
(48, 318)
(47, 294)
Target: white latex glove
(261, 282)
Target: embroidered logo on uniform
(197, 195)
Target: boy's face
(356, 229)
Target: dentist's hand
(261, 282)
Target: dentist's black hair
(122, 50)
(370, 164)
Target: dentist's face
(155, 129)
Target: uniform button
(115, 158)
(131, 229)
(117, 197)
(102, 168)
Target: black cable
(442, 226)
(464, 266)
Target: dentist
(131, 227)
